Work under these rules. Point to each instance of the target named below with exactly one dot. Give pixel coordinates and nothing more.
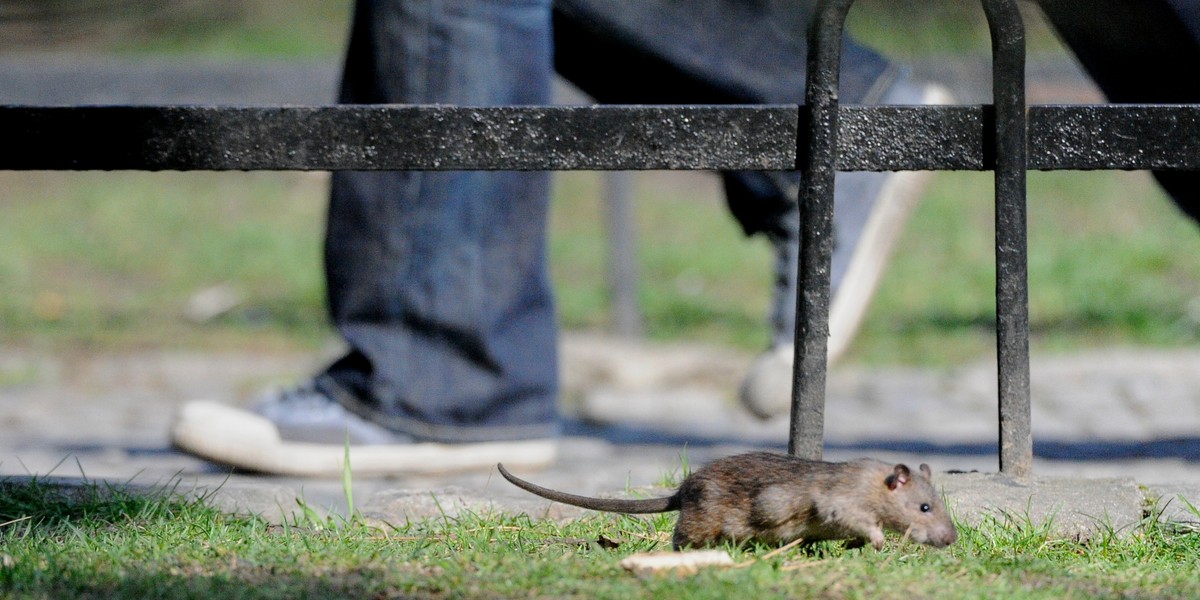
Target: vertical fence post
(1012, 282)
(816, 146)
(816, 150)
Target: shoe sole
(244, 440)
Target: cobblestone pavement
(1105, 422)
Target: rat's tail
(650, 505)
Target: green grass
(699, 277)
(1111, 262)
(109, 260)
(914, 29)
(214, 29)
(109, 543)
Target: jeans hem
(421, 431)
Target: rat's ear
(898, 477)
(926, 470)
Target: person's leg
(728, 51)
(697, 52)
(1139, 51)
(869, 214)
(437, 281)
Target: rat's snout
(943, 536)
(938, 536)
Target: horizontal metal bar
(1160, 137)
(397, 138)
(871, 138)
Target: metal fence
(817, 138)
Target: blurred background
(98, 262)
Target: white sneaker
(767, 389)
(870, 212)
(303, 433)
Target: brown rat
(775, 499)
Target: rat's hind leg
(696, 529)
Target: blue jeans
(1139, 51)
(438, 281)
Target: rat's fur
(775, 499)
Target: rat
(776, 499)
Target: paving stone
(273, 502)
(1070, 507)
(1176, 503)
(401, 506)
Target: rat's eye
(926, 508)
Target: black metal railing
(1008, 142)
(817, 138)
(355, 137)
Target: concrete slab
(1176, 503)
(1068, 507)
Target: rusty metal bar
(1012, 281)
(871, 138)
(819, 136)
(393, 137)
(816, 206)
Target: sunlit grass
(111, 260)
(105, 541)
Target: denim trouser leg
(438, 281)
(708, 52)
(722, 52)
(1139, 51)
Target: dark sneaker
(301, 432)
